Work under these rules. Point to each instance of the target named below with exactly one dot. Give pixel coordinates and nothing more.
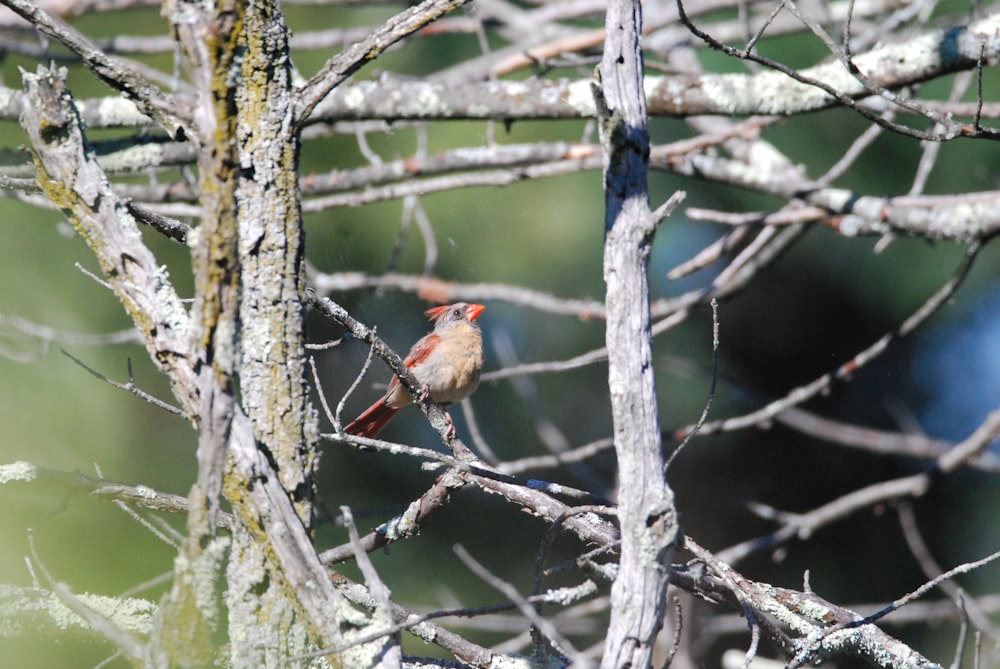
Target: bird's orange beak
(473, 310)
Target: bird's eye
(456, 312)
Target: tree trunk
(645, 503)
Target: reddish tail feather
(373, 420)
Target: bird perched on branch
(446, 362)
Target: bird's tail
(373, 420)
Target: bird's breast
(451, 371)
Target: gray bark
(645, 503)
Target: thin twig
(805, 392)
(523, 604)
(964, 568)
(389, 657)
(803, 525)
(127, 387)
(357, 382)
(711, 389)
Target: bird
(447, 363)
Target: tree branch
(341, 66)
(117, 74)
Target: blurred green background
(818, 305)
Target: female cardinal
(446, 362)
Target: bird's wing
(422, 349)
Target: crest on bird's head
(455, 312)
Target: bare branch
(825, 85)
(805, 392)
(117, 74)
(128, 387)
(103, 220)
(562, 644)
(804, 525)
(341, 66)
